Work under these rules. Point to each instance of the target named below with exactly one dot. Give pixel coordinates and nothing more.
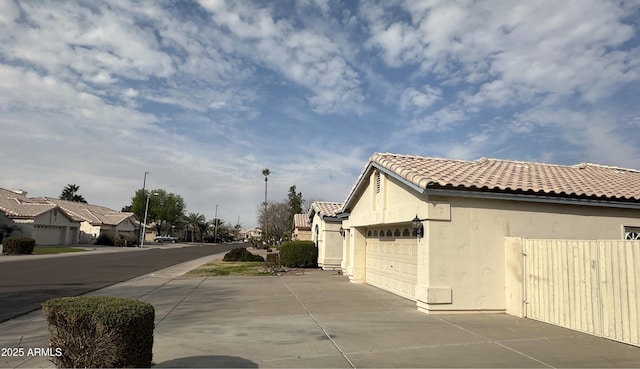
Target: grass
(39, 250)
(229, 268)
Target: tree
(195, 220)
(70, 193)
(165, 209)
(295, 204)
(274, 219)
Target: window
(406, 233)
(377, 182)
(632, 233)
(396, 233)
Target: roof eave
(529, 197)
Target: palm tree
(194, 220)
(265, 173)
(69, 193)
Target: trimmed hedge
(105, 240)
(18, 245)
(241, 254)
(299, 254)
(100, 331)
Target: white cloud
(541, 47)
(594, 135)
(440, 120)
(412, 98)
(302, 56)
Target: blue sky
(205, 94)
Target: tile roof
(94, 214)
(18, 205)
(583, 180)
(301, 221)
(325, 208)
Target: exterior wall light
(342, 232)
(417, 226)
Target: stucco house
(47, 223)
(449, 234)
(325, 232)
(250, 233)
(96, 220)
(301, 228)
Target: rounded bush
(18, 245)
(299, 254)
(100, 331)
(241, 254)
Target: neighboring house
(250, 233)
(325, 232)
(301, 228)
(470, 214)
(96, 220)
(47, 223)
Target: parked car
(212, 239)
(161, 239)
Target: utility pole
(215, 229)
(141, 229)
(265, 173)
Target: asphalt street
(26, 283)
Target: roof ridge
(420, 157)
(586, 164)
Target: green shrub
(105, 240)
(272, 261)
(18, 245)
(241, 254)
(100, 331)
(299, 254)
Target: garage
(49, 235)
(391, 261)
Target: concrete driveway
(319, 319)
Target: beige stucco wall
(328, 241)
(301, 234)
(467, 254)
(54, 228)
(461, 259)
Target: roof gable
(324, 209)
(583, 180)
(300, 221)
(94, 214)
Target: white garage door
(49, 235)
(391, 261)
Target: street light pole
(144, 185)
(215, 227)
(144, 225)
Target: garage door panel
(392, 265)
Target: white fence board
(589, 286)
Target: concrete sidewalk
(319, 319)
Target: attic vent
(377, 182)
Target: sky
(205, 94)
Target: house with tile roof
(250, 233)
(301, 228)
(96, 220)
(325, 233)
(47, 223)
(440, 231)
